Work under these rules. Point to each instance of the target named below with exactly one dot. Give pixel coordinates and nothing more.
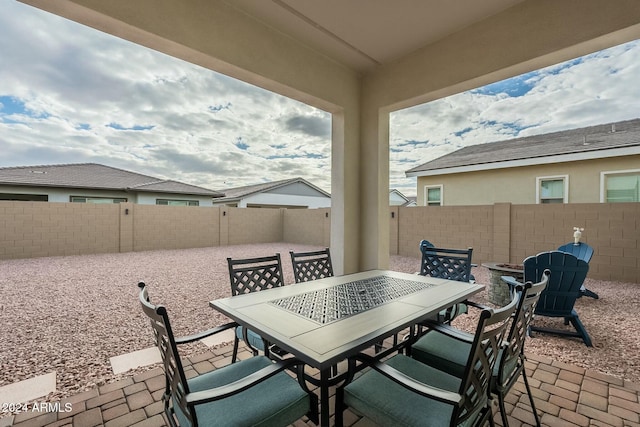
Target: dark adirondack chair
(452, 264)
(557, 300)
(584, 252)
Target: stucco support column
(374, 196)
(345, 190)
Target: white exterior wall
(63, 195)
(150, 198)
(396, 200)
(285, 200)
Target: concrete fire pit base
(497, 290)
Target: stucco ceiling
(363, 34)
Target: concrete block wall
(246, 225)
(500, 232)
(447, 227)
(307, 226)
(172, 227)
(37, 229)
(509, 233)
(394, 229)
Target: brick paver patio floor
(565, 395)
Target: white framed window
(168, 202)
(97, 200)
(620, 186)
(433, 195)
(552, 189)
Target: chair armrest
(511, 281)
(222, 392)
(448, 330)
(207, 333)
(410, 383)
(476, 305)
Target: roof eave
(532, 161)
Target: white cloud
(598, 88)
(86, 92)
(91, 97)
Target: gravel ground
(71, 314)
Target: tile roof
(97, 176)
(575, 141)
(247, 190)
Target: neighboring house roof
(606, 140)
(95, 176)
(401, 199)
(237, 193)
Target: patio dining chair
(402, 391)
(253, 275)
(254, 391)
(446, 348)
(452, 264)
(311, 265)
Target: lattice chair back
(255, 274)
(311, 265)
(424, 244)
(490, 333)
(176, 382)
(452, 264)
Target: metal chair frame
(177, 388)
(311, 265)
(452, 264)
(252, 275)
(472, 395)
(511, 363)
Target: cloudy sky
(71, 94)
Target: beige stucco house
(361, 66)
(597, 164)
(96, 183)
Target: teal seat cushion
(451, 355)
(253, 339)
(389, 404)
(277, 401)
(510, 366)
(442, 352)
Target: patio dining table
(326, 321)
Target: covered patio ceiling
(364, 34)
(360, 60)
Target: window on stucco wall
(552, 189)
(433, 195)
(620, 187)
